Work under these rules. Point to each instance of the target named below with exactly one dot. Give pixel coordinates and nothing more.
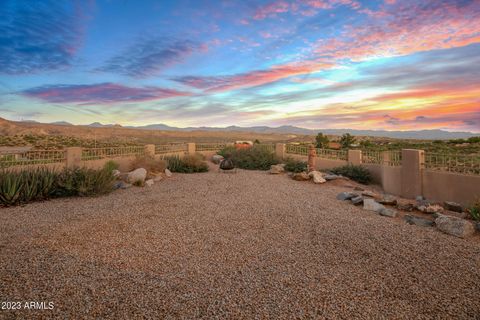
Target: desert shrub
(111, 165)
(292, 165)
(84, 182)
(474, 210)
(254, 158)
(187, 164)
(150, 164)
(357, 173)
(18, 187)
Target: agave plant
(11, 184)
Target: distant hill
(11, 126)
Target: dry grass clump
(187, 164)
(150, 164)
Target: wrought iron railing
(170, 148)
(458, 163)
(331, 154)
(33, 157)
(111, 152)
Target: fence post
(73, 157)
(312, 155)
(280, 150)
(413, 162)
(149, 150)
(385, 158)
(191, 148)
(354, 157)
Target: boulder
(455, 226)
(430, 208)
(388, 199)
(453, 206)
(116, 173)
(418, 221)
(372, 205)
(317, 177)
(346, 195)
(149, 182)
(462, 215)
(301, 176)
(276, 169)
(357, 200)
(137, 175)
(387, 212)
(168, 173)
(216, 158)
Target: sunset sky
(395, 65)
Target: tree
(321, 141)
(347, 140)
(256, 141)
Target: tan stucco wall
(446, 186)
(391, 180)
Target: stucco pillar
(73, 157)
(191, 148)
(413, 162)
(312, 155)
(355, 157)
(149, 150)
(280, 150)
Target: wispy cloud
(148, 56)
(252, 78)
(38, 36)
(103, 93)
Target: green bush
(111, 165)
(357, 173)
(475, 210)
(84, 182)
(254, 158)
(292, 165)
(187, 164)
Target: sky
(386, 65)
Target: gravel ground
(245, 245)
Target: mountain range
(411, 134)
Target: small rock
(388, 199)
(216, 158)
(317, 177)
(370, 194)
(168, 173)
(406, 207)
(116, 173)
(387, 212)
(301, 176)
(418, 221)
(357, 200)
(149, 182)
(455, 226)
(461, 215)
(420, 198)
(329, 177)
(137, 175)
(346, 195)
(431, 208)
(276, 169)
(372, 205)
(358, 189)
(453, 206)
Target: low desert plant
(252, 158)
(474, 210)
(292, 165)
(84, 182)
(227, 151)
(187, 164)
(150, 164)
(111, 165)
(357, 173)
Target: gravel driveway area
(238, 246)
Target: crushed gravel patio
(238, 246)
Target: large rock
(388, 199)
(418, 221)
(317, 177)
(430, 208)
(300, 176)
(137, 175)
(168, 173)
(358, 200)
(216, 158)
(346, 195)
(455, 226)
(372, 205)
(387, 212)
(453, 206)
(276, 169)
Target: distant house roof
(7, 150)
